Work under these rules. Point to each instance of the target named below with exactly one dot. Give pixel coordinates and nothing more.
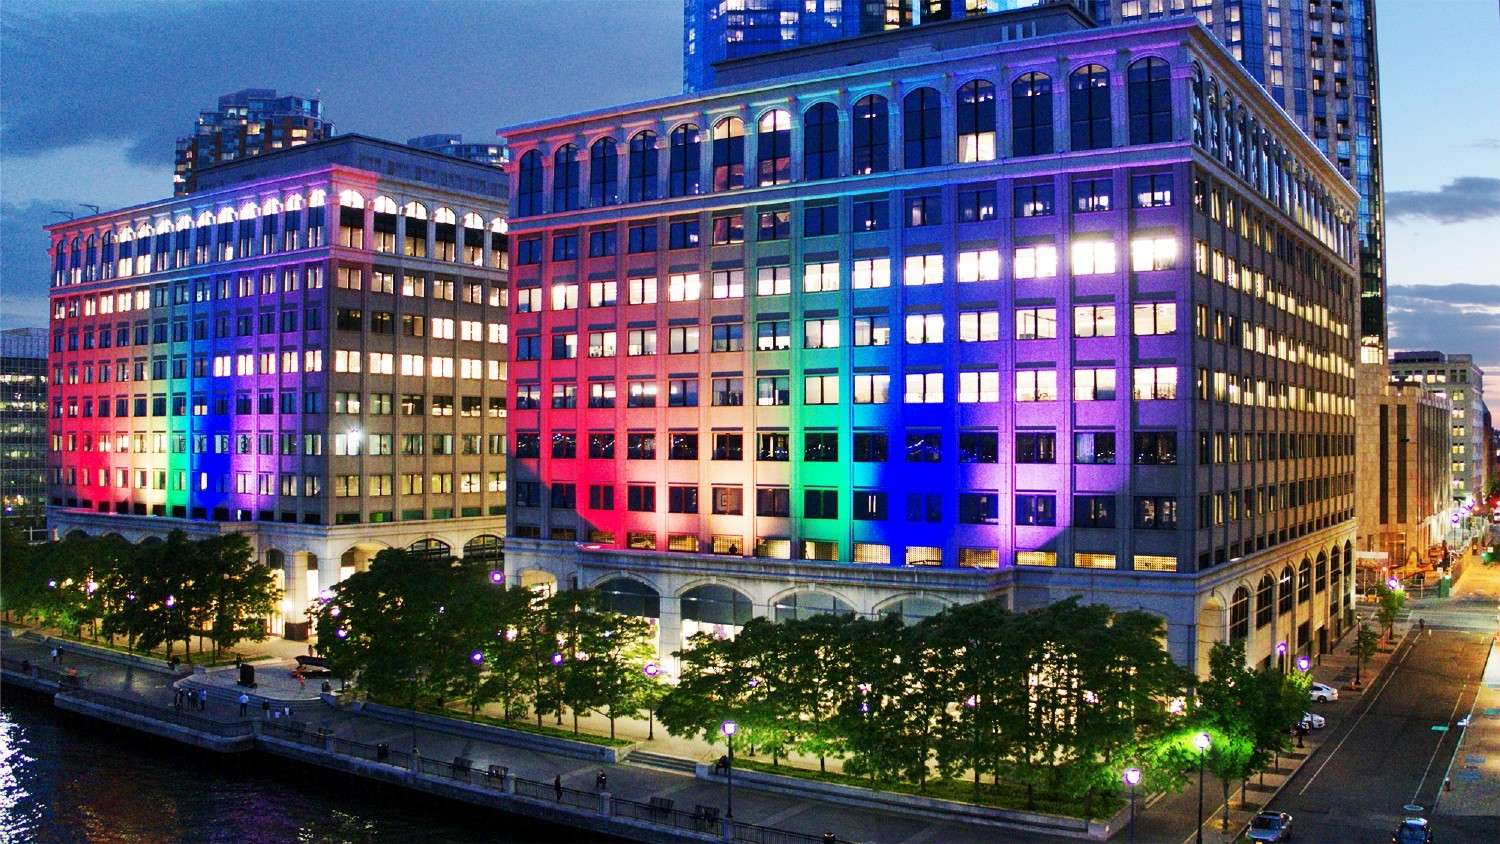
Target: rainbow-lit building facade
(1007, 307)
(310, 349)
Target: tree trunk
(611, 728)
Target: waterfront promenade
(518, 772)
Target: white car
(1316, 722)
(1323, 693)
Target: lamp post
(1201, 742)
(651, 670)
(170, 602)
(415, 675)
(1132, 779)
(729, 728)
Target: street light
(651, 670)
(1303, 663)
(1201, 742)
(729, 728)
(1132, 779)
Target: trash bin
(382, 751)
(247, 676)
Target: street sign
(1440, 728)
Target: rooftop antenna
(90, 206)
(68, 214)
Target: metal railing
(373, 752)
(297, 731)
(752, 834)
(550, 792)
(663, 816)
(161, 712)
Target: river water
(68, 780)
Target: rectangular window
(1036, 323)
(978, 447)
(1093, 257)
(1154, 382)
(602, 395)
(640, 446)
(642, 239)
(1154, 318)
(1036, 385)
(729, 337)
(684, 287)
(818, 220)
(924, 211)
(773, 501)
(1095, 511)
(1093, 320)
(1155, 512)
(820, 278)
(729, 284)
(870, 506)
(729, 229)
(602, 243)
(682, 392)
(601, 497)
(1036, 447)
(923, 270)
(1036, 262)
(773, 447)
(1154, 448)
(978, 326)
(1040, 510)
(640, 342)
(775, 225)
(1152, 190)
(872, 331)
(682, 340)
(602, 344)
(682, 234)
(640, 498)
(681, 499)
(870, 214)
(924, 388)
(772, 391)
(978, 508)
(728, 392)
(773, 281)
(1094, 384)
(729, 447)
(820, 389)
(641, 394)
(871, 273)
(642, 291)
(1091, 195)
(601, 446)
(976, 204)
(924, 328)
(978, 387)
(1150, 254)
(820, 504)
(602, 294)
(983, 265)
(872, 389)
(871, 447)
(1033, 200)
(924, 507)
(771, 335)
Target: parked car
(1323, 693)
(1313, 722)
(1413, 831)
(1271, 826)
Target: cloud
(1462, 200)
(23, 261)
(1453, 318)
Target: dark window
(978, 508)
(643, 166)
(978, 447)
(528, 445)
(1265, 602)
(564, 247)
(924, 129)
(1155, 448)
(602, 243)
(924, 211)
(601, 446)
(1088, 104)
(1150, 94)
(773, 501)
(682, 446)
(565, 179)
(872, 146)
(683, 162)
(1091, 195)
(1036, 447)
(729, 154)
(1096, 447)
(820, 448)
(682, 499)
(924, 507)
(601, 498)
(1033, 200)
(924, 448)
(1239, 615)
(1031, 115)
(820, 220)
(773, 148)
(640, 447)
(871, 448)
(642, 239)
(870, 506)
(729, 447)
(820, 142)
(774, 447)
(564, 496)
(1096, 511)
(604, 173)
(1036, 510)
(976, 204)
(1153, 190)
(1155, 512)
(820, 504)
(529, 251)
(871, 214)
(640, 498)
(775, 225)
(682, 234)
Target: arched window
(643, 166)
(913, 610)
(430, 548)
(1284, 591)
(714, 604)
(565, 178)
(872, 135)
(1031, 115)
(484, 547)
(976, 121)
(1304, 582)
(820, 142)
(529, 185)
(1239, 615)
(604, 173)
(1150, 95)
(773, 148)
(729, 154)
(923, 124)
(800, 605)
(1197, 95)
(1088, 107)
(1265, 602)
(1230, 139)
(684, 162)
(1320, 574)
(1211, 117)
(629, 597)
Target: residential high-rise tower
(249, 122)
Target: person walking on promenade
(265, 706)
(177, 700)
(601, 782)
(203, 700)
(244, 703)
(557, 786)
(56, 656)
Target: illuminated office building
(1462, 381)
(1004, 307)
(251, 122)
(23, 428)
(308, 350)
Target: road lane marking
(1352, 727)
(1451, 716)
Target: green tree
(1366, 642)
(710, 689)
(506, 659)
(890, 720)
(240, 589)
(815, 680)
(1391, 602)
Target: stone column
(294, 581)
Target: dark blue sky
(93, 95)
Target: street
(1382, 752)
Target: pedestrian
(203, 700)
(26, 667)
(265, 706)
(1422, 624)
(309, 649)
(56, 656)
(177, 700)
(302, 681)
(244, 703)
(601, 781)
(238, 661)
(557, 786)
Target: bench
(498, 772)
(661, 807)
(706, 817)
(461, 768)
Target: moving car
(1271, 826)
(1323, 693)
(1313, 722)
(1413, 831)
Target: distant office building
(493, 154)
(249, 122)
(992, 308)
(1403, 467)
(23, 427)
(1458, 378)
(309, 350)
